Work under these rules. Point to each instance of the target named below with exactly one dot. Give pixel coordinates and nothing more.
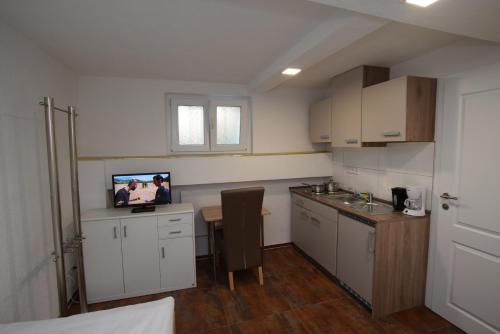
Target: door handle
(324, 137)
(175, 220)
(351, 141)
(449, 197)
(371, 242)
(115, 234)
(175, 232)
(163, 252)
(125, 231)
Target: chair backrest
(242, 220)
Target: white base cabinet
(127, 255)
(102, 250)
(356, 253)
(140, 255)
(314, 230)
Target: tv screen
(141, 189)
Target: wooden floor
(296, 298)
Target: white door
(177, 264)
(141, 261)
(464, 267)
(102, 255)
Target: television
(142, 189)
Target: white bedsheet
(154, 317)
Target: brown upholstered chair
(242, 221)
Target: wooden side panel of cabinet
(421, 109)
(400, 269)
(320, 121)
(347, 89)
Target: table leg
(212, 248)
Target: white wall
(27, 275)
(110, 106)
(378, 169)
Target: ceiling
(206, 40)
(471, 18)
(243, 41)
(389, 45)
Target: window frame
(209, 104)
(244, 106)
(188, 100)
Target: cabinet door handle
(324, 137)
(115, 234)
(125, 231)
(304, 215)
(351, 141)
(315, 221)
(175, 220)
(175, 232)
(163, 252)
(371, 242)
(391, 134)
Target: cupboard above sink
(347, 89)
(367, 109)
(399, 110)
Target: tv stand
(144, 208)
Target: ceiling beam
(477, 19)
(340, 31)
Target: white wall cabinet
(320, 121)
(128, 255)
(399, 110)
(347, 90)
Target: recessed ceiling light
(421, 3)
(291, 71)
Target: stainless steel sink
(374, 208)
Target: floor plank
(296, 298)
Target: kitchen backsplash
(378, 169)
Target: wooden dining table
(212, 215)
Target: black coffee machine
(398, 198)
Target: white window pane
(228, 125)
(191, 125)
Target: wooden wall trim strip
(182, 156)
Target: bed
(152, 317)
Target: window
(209, 124)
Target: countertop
(391, 217)
(116, 213)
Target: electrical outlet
(353, 170)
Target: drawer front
(175, 231)
(181, 218)
(318, 208)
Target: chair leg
(261, 276)
(230, 280)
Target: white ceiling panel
(205, 40)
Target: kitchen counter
(380, 257)
(377, 218)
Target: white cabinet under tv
(132, 254)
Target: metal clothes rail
(75, 244)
